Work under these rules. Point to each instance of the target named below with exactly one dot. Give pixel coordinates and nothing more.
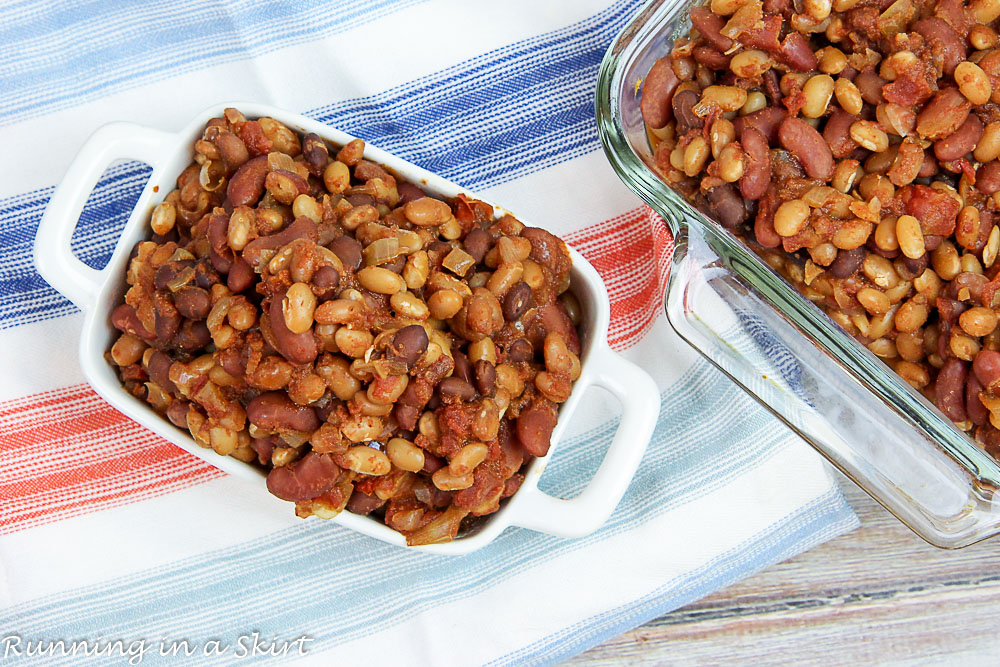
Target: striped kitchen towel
(127, 550)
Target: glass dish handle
(716, 311)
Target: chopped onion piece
(458, 262)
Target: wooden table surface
(878, 595)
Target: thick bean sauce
(374, 347)
(855, 145)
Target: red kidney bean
(247, 184)
(309, 477)
(166, 320)
(348, 250)
(946, 44)
(455, 389)
(961, 142)
(986, 366)
(296, 348)
(232, 361)
(408, 345)
(988, 177)
(193, 336)
(158, 368)
(928, 168)
(240, 276)
(477, 243)
(205, 276)
(870, 86)
(221, 253)
(362, 503)
(177, 413)
(535, 425)
(797, 54)
(520, 350)
(169, 272)
(763, 226)
(767, 120)
(406, 416)
(553, 318)
(772, 89)
(486, 377)
(683, 104)
(516, 302)
(710, 58)
(808, 147)
(274, 411)
(974, 407)
(125, 319)
(316, 154)
(949, 389)
(255, 140)
(657, 90)
(763, 35)
(837, 133)
(301, 228)
(193, 303)
(727, 206)
(757, 169)
(847, 262)
(232, 150)
(408, 192)
(709, 25)
(463, 367)
(944, 114)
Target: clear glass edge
(856, 360)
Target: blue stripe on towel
(445, 122)
(236, 588)
(57, 55)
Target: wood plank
(879, 594)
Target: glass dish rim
(856, 360)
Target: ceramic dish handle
(640, 400)
(53, 256)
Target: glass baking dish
(783, 350)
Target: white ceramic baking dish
(96, 293)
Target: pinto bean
(767, 120)
(808, 147)
(535, 425)
(757, 170)
(960, 142)
(657, 92)
(309, 477)
(943, 115)
(247, 184)
(298, 348)
(949, 389)
(274, 411)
